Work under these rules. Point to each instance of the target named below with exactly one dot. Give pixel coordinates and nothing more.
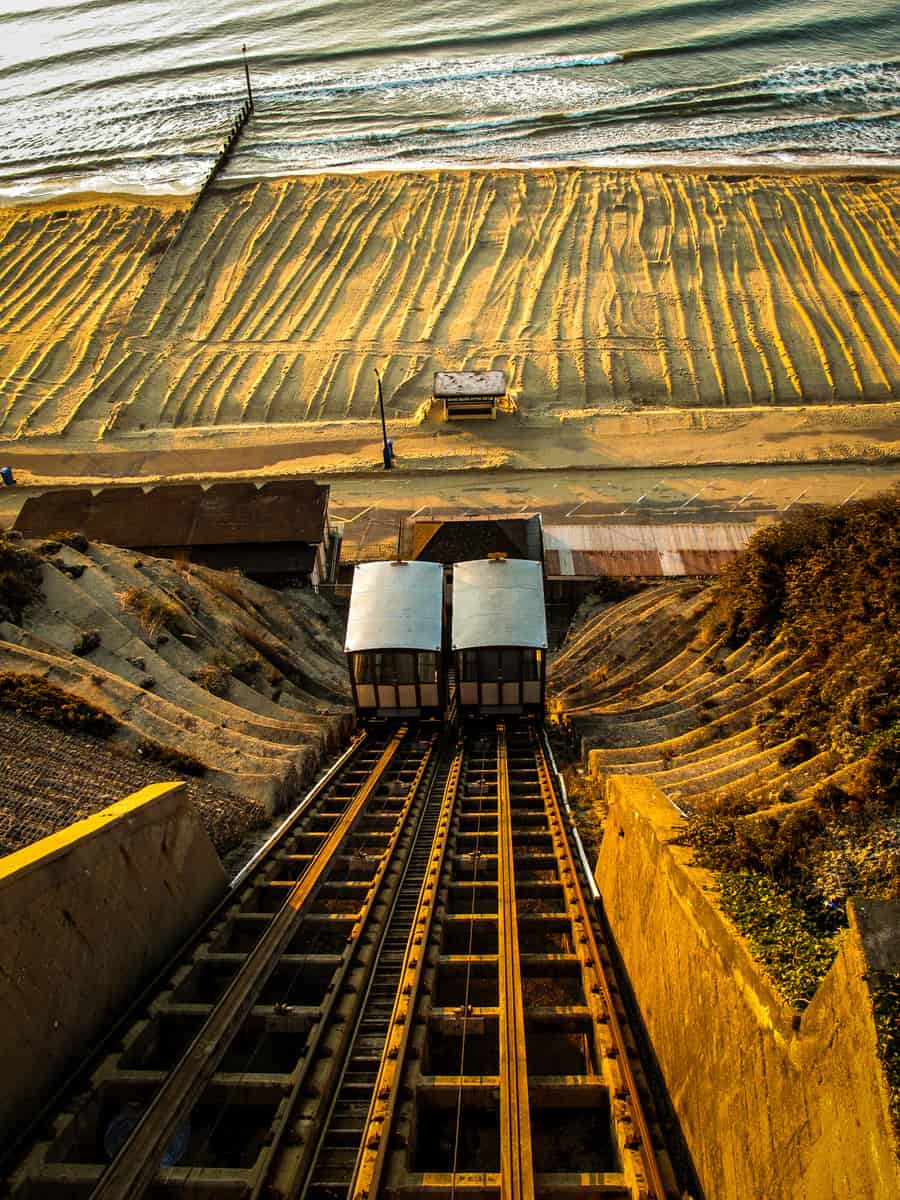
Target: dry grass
(35, 697)
(154, 611)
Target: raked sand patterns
(590, 288)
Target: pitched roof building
(277, 530)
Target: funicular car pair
(416, 642)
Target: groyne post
(247, 74)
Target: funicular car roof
(498, 602)
(395, 606)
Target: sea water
(137, 95)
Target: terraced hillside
(590, 288)
(767, 708)
(203, 672)
(648, 695)
(68, 277)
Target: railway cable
(343, 1128)
(466, 992)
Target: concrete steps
(648, 695)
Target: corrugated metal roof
(469, 383)
(648, 551)
(183, 514)
(396, 606)
(498, 602)
(660, 538)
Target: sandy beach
(643, 319)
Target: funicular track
(406, 995)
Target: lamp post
(247, 74)
(388, 446)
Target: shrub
(214, 677)
(35, 697)
(880, 770)
(74, 540)
(88, 642)
(20, 579)
(789, 939)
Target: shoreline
(177, 196)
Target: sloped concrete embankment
(772, 1102)
(86, 916)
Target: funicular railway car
(499, 636)
(393, 642)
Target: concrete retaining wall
(86, 917)
(774, 1104)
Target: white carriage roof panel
(469, 383)
(395, 606)
(498, 602)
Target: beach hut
(469, 394)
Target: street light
(387, 453)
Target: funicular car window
(395, 666)
(428, 666)
(531, 665)
(511, 664)
(362, 667)
(489, 663)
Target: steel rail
(516, 1169)
(599, 996)
(267, 1167)
(296, 813)
(373, 1151)
(573, 827)
(134, 1167)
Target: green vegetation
(886, 999)
(826, 586)
(35, 697)
(794, 944)
(20, 579)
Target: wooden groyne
(234, 132)
(237, 126)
